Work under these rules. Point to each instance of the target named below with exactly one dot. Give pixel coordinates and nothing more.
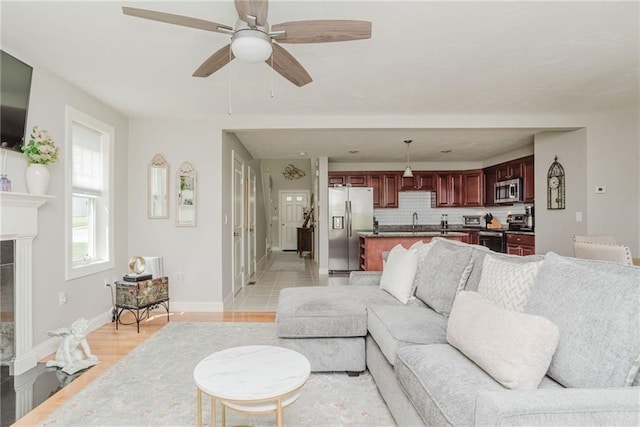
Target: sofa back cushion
(446, 269)
(595, 305)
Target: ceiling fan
(253, 38)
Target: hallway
(282, 270)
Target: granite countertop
(417, 233)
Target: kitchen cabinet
(473, 237)
(354, 179)
(449, 189)
(489, 186)
(522, 168)
(385, 185)
(521, 244)
(473, 188)
(418, 182)
(509, 170)
(528, 180)
(385, 189)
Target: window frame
(104, 204)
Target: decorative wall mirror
(158, 188)
(187, 203)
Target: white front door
(237, 216)
(252, 228)
(292, 205)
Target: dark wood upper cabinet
(420, 181)
(449, 189)
(528, 180)
(385, 189)
(522, 168)
(473, 185)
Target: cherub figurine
(73, 354)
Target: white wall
(192, 251)
(86, 296)
(555, 228)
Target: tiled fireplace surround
(19, 222)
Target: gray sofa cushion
(446, 269)
(442, 383)
(595, 305)
(327, 311)
(395, 327)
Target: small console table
(305, 241)
(141, 297)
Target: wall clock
(555, 186)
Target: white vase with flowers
(40, 151)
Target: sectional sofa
(454, 334)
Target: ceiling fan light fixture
(251, 45)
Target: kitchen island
(372, 245)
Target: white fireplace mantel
(19, 222)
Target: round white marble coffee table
(253, 378)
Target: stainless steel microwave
(509, 191)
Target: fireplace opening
(7, 301)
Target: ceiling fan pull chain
(273, 72)
(229, 84)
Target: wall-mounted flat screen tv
(15, 87)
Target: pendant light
(408, 173)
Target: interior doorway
(293, 204)
(237, 216)
(251, 237)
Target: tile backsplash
(423, 203)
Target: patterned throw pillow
(507, 284)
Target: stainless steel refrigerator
(350, 211)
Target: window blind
(86, 168)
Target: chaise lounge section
(484, 338)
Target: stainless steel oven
(509, 191)
(493, 240)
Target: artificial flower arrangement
(41, 149)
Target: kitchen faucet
(415, 221)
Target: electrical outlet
(178, 275)
(106, 282)
(62, 298)
(601, 189)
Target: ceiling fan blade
(288, 67)
(257, 8)
(170, 18)
(323, 31)
(216, 61)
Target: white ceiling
(423, 58)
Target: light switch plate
(601, 189)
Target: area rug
(153, 385)
(293, 263)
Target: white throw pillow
(507, 284)
(514, 348)
(399, 272)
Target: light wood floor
(111, 345)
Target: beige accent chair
(602, 251)
(604, 238)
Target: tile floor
(281, 270)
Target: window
(90, 238)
